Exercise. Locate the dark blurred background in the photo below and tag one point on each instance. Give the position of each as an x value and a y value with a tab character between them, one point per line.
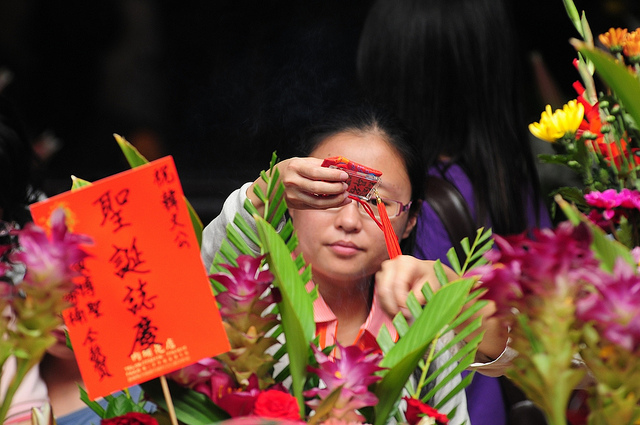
218	84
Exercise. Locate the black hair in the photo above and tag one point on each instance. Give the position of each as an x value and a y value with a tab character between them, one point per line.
448	69
16	165
363	118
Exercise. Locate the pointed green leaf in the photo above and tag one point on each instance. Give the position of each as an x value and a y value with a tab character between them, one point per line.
93	405
77	183
403	358
246	229
570	7
384	340
134	157
296	306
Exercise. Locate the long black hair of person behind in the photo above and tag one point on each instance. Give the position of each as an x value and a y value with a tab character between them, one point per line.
448	68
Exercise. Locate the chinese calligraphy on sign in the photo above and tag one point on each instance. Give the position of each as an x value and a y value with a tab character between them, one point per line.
143	305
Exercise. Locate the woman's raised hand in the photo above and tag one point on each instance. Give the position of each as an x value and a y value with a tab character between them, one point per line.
308	185
404	274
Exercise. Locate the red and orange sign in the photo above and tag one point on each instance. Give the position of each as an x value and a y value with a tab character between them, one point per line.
143	306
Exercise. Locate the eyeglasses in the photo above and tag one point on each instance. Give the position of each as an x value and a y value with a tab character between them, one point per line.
394	208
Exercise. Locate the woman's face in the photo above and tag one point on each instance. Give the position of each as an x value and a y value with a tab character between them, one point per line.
341	244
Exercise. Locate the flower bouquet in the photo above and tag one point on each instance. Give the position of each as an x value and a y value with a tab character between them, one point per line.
275	372
570	295
597	134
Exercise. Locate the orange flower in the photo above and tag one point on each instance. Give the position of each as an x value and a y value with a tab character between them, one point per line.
631	46
613	39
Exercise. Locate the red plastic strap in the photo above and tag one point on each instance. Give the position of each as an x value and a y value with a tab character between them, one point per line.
390	238
369	211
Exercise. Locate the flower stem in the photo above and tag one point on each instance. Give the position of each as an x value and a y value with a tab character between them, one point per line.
22	367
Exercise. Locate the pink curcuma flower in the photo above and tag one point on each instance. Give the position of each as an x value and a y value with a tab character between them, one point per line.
614	308
243	303
207	376
49	261
553	263
353	369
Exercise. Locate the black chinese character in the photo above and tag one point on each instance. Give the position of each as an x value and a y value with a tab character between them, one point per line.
162	176
138	299
145	334
127	260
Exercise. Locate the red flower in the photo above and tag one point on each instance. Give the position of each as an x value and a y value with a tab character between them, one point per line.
276	404
417	409
131	418
593	124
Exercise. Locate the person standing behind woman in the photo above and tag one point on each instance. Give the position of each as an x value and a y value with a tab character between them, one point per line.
448	68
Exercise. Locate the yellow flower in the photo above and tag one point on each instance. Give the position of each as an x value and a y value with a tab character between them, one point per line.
613	39
554	125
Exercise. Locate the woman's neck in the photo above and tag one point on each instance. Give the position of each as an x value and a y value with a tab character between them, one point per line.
351	304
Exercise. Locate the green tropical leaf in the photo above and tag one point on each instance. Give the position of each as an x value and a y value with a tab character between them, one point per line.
133	155
474	252
296	306
405	355
93	405
77	183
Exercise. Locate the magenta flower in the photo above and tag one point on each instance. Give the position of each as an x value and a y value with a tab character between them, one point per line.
555	262
243	307
354	370
208	376
243	303
240	403
610	201
49	261
614	308
4	267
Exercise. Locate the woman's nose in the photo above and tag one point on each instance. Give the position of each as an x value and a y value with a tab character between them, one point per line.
349	218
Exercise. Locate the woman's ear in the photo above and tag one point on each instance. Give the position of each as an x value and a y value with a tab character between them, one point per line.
411	223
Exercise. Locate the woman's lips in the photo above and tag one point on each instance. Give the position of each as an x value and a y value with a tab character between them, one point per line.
345	248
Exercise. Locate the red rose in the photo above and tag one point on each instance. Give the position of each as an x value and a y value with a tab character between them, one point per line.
276	404
131	418
417	409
